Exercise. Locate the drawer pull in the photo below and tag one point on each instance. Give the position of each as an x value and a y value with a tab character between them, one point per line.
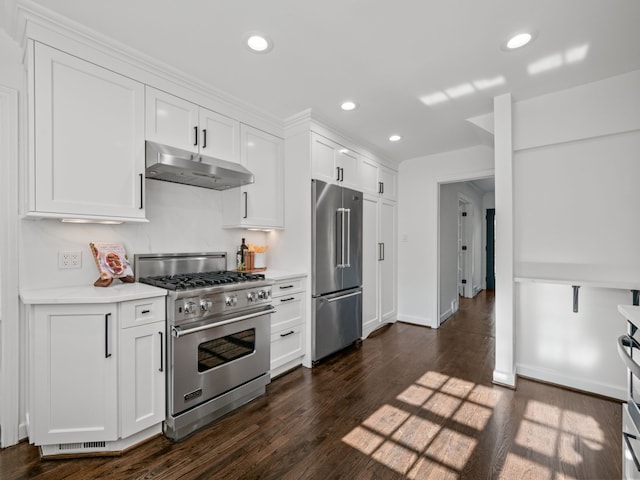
287	299
284	287
144	312
287	334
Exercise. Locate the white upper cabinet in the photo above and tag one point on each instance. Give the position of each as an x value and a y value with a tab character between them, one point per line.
87	128
369	176
333	163
388	183
260	204
173	121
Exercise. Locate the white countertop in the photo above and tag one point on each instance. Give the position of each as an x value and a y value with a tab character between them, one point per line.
584	275
278	275
631	313
116	292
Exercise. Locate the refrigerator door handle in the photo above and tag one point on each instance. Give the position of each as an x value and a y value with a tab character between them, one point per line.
342	263
348	240
342	297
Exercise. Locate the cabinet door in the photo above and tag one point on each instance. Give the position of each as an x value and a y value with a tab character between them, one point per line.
170	120
75	388
388	180
260	204
369	176
142	377
370	265
388	264
219	136
348	161
324	164
89	139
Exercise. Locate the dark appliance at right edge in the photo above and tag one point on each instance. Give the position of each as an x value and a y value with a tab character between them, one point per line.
336	256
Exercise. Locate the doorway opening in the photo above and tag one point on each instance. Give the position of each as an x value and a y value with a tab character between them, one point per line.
462	241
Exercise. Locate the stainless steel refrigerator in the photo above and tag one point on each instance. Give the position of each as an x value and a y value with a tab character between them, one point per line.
336	268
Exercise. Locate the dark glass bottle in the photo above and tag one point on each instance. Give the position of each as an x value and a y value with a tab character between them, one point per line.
243	254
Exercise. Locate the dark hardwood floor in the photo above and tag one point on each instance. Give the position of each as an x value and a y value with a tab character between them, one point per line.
410	402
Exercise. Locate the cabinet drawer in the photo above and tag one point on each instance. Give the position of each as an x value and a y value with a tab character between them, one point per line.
289	312
141	312
286	345
286	287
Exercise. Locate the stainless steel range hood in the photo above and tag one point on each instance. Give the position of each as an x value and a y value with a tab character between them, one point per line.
180	166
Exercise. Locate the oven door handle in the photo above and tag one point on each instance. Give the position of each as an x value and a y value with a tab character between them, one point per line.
178	332
625	341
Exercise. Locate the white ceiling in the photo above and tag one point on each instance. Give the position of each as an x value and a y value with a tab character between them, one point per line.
384	55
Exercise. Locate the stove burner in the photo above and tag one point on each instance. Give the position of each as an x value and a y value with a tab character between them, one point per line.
189	281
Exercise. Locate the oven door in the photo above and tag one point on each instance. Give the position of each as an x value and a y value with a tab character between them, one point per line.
209	358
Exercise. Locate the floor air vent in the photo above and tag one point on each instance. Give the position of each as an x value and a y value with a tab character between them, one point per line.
81	446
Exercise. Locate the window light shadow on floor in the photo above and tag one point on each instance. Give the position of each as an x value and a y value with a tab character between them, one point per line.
433	431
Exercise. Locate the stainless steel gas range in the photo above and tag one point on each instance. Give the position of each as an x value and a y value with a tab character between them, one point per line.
218	331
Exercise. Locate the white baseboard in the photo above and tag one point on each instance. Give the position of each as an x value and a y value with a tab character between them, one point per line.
507	379
586	385
425	322
444	315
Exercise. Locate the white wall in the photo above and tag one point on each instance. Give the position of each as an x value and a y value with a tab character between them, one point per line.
418	200
181	219
448	285
576	196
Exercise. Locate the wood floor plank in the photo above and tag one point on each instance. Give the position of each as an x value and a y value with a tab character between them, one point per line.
409	402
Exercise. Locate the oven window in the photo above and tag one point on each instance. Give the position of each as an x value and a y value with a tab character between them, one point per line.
223	350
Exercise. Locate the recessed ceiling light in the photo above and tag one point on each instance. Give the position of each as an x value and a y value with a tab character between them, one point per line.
349	105
395	138
519	40
258	43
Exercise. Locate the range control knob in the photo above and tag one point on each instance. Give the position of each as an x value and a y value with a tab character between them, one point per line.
251	296
231	300
189	307
205	305
264	294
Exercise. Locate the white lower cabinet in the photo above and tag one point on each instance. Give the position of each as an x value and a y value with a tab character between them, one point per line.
287	325
142	367
96	379
74	374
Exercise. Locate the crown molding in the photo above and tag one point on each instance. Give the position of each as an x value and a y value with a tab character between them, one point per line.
42	24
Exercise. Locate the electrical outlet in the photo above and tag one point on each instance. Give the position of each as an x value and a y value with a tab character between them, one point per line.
70	259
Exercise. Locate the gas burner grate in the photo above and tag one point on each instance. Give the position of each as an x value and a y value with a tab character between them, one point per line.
190	281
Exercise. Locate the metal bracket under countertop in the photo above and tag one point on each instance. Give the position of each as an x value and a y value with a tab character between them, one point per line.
635	297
